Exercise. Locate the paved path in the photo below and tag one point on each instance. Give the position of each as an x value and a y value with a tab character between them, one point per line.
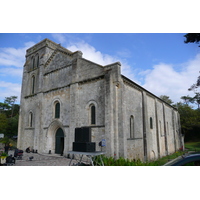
42	160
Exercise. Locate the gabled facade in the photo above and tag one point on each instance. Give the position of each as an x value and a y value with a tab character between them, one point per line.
61	91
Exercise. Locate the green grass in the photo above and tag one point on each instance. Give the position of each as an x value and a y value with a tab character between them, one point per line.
192	146
165	159
126	162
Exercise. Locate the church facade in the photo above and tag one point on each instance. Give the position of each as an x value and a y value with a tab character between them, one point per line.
62	91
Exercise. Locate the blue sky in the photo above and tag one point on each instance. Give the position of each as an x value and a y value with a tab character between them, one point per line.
160	62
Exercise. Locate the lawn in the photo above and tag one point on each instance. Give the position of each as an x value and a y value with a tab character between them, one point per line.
192	146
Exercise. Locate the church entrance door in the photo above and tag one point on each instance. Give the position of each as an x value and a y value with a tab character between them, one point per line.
59	141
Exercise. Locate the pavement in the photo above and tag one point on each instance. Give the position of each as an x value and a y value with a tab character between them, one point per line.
42	160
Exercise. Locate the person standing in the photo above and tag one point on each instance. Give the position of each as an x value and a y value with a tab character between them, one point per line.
6	148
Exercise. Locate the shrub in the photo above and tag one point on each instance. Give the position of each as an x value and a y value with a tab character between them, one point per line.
110	161
3	154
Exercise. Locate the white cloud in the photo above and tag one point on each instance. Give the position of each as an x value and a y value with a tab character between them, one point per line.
14	57
11	71
163	79
8	89
11	66
90	53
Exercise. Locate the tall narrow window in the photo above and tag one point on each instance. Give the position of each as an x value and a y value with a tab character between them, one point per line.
57	110
167	128
160	128
32	63
37	60
33	85
131	127
30	119
93	114
151	123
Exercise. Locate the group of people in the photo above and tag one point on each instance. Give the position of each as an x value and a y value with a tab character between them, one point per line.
28	150
17	154
7	147
11	159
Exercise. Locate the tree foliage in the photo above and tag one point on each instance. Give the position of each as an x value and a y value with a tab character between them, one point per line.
6	140
195	86
196	98
9	115
3	123
192	38
189	116
166	99
4	107
187	99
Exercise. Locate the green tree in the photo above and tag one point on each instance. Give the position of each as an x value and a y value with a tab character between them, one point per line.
166	99
4	107
195	86
196	99
192	38
187	115
9	115
11	102
3	123
6	140
187	99
189	118
12	128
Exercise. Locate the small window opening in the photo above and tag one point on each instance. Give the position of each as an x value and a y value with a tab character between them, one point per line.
93	114
151	123
131	127
37	58
57	110
33	85
30	119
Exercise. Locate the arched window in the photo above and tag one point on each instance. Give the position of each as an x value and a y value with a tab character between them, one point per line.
131	126
33	85
151	123
93	114
30	119
57	110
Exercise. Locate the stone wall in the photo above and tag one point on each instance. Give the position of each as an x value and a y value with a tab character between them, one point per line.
76	83
132	106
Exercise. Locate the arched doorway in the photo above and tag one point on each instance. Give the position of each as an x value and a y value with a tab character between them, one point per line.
59	141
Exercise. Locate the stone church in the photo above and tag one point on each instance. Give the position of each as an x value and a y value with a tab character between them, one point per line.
61	91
